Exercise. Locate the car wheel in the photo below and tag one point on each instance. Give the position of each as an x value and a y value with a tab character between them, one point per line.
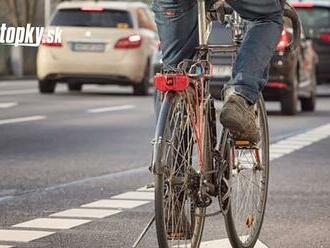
290	101
75	87
142	88
46	86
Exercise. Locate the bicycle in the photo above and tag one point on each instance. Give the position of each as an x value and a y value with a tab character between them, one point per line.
194	160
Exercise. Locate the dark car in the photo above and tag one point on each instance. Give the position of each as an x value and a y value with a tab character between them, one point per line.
315	18
292	73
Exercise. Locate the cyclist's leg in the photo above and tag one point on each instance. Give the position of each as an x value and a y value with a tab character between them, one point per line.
250	72
177	28
178	31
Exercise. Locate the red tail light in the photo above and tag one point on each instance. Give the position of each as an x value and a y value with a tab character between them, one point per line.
325	37
133	41
51	44
284	41
278	85
171	82
303	5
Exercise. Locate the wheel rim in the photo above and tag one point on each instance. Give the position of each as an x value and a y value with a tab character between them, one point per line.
182	220
249	181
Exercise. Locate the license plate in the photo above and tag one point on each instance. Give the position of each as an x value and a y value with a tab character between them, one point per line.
222	71
88	47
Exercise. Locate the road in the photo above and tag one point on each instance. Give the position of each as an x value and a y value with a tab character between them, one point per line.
68	160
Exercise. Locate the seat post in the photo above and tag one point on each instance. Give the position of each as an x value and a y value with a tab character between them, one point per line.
202	25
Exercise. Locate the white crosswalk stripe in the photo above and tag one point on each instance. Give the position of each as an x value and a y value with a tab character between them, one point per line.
135	195
86	213
22	235
121	204
52	223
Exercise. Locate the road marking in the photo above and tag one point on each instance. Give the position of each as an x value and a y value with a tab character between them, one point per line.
6	246
120	204
110	109
22	236
52	223
143	196
18	92
86	213
151	189
224	243
5	105
23	119
135	195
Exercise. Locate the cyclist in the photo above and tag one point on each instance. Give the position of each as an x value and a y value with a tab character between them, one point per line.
177	24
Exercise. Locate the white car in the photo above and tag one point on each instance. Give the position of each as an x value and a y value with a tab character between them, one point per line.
101	43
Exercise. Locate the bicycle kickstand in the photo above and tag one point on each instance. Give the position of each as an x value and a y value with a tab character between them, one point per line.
145	230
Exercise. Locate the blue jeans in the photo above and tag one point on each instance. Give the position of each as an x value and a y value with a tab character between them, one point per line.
178	31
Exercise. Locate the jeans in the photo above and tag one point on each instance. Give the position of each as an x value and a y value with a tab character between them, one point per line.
178	31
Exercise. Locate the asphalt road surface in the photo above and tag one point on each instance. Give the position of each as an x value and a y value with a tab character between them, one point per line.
71	164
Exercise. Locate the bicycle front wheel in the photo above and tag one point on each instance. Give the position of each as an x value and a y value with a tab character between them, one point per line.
249	168
179	222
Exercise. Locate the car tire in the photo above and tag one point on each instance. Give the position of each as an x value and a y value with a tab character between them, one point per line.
289	102
142	88
46	86
75	87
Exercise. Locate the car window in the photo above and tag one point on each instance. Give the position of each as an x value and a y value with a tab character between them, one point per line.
314	19
145	20
83	18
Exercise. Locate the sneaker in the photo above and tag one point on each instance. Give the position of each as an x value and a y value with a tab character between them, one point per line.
240	118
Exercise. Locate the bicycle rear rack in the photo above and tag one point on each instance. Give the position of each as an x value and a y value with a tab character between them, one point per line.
232	48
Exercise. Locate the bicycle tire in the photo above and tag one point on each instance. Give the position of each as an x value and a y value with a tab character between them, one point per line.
171	108
235	228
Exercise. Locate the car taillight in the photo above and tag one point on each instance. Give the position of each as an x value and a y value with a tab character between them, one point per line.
51	44
284	41
302	4
325	37
133	41
279	85
171	82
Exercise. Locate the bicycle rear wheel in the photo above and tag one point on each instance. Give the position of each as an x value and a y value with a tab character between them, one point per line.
179	222
249	168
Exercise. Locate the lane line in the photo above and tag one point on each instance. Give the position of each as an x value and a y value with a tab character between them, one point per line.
110	109
146	189
224	243
86	213
5	105
18	92
144	196
52	223
135	195
6	246
23	119
119	204
21	235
